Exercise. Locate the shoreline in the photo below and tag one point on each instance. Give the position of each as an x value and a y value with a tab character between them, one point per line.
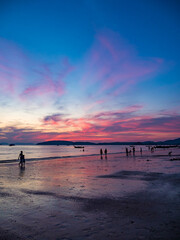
152	155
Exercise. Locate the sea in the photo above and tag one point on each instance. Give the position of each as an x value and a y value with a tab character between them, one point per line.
42	152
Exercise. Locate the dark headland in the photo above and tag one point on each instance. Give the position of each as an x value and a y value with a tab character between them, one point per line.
58	142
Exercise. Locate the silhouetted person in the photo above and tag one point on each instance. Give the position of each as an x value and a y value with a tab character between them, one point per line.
105	151
126	151
133	150
21	159
141	151
170	153
101	151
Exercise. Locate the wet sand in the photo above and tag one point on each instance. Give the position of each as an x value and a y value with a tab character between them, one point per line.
91	198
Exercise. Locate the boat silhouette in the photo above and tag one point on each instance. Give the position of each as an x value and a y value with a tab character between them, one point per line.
78	146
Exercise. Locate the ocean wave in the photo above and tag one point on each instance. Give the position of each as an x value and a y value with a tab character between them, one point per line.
159	154
54	157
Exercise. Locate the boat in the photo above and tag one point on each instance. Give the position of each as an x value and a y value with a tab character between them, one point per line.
78	146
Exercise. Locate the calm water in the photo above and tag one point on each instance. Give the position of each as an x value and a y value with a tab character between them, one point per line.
42	152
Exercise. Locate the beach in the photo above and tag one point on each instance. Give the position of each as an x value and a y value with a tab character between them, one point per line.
86	197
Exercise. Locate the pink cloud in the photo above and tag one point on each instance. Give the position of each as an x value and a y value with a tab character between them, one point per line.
12	68
109	46
20	79
50	82
112	67
98	128
10	78
123	125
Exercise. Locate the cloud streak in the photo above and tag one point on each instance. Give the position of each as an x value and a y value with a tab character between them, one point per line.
118	125
24	78
97	129
112	67
109	70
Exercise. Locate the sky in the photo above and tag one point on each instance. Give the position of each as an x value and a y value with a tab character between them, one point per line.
89	70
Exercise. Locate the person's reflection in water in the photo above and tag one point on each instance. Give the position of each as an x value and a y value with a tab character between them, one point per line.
21	171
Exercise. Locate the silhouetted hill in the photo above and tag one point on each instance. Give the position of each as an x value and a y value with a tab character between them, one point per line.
167	142
170	142
56	143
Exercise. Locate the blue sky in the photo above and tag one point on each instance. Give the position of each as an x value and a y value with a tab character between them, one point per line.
63	64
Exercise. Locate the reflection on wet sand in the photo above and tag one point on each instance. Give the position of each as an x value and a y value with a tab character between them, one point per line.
117	197
21	171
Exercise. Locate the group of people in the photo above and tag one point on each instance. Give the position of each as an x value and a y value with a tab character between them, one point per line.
151	148
128	152
21	159
101	151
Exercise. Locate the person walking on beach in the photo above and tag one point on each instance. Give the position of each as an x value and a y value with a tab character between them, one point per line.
21	158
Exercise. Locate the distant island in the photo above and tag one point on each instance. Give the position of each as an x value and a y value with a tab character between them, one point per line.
167	142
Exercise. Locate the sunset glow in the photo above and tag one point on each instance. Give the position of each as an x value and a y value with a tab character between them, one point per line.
91	82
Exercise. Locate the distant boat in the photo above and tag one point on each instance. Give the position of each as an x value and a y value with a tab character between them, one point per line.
11	144
78	146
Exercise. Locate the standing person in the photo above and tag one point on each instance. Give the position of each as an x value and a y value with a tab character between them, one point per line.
141	150
126	151
170	153
105	151
101	153
21	158
133	150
